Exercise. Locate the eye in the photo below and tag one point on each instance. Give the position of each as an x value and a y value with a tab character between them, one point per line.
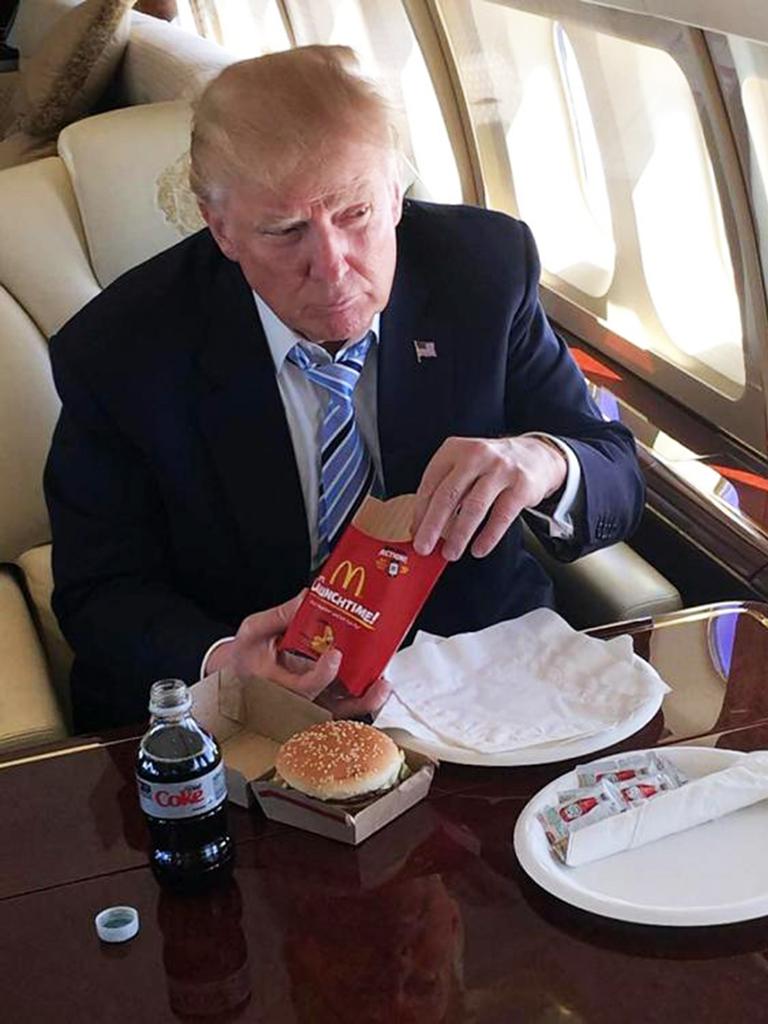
286	232
357	213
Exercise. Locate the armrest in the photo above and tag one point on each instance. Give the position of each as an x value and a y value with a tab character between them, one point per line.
29	711
609	585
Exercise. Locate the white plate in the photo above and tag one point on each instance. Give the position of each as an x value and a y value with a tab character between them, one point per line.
713	874
543	753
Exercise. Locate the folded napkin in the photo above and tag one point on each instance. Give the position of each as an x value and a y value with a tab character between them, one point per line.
531	681
704	799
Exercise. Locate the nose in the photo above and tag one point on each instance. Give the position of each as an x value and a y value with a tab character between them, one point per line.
327	254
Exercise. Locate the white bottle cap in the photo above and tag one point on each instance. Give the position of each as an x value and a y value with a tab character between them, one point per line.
117	924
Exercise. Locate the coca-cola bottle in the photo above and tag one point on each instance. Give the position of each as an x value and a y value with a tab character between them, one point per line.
182	791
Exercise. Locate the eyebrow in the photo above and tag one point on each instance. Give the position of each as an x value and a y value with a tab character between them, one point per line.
357	191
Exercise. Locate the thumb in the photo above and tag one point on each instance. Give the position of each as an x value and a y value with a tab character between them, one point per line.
323	672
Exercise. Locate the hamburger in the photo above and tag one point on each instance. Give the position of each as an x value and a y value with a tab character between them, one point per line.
340	761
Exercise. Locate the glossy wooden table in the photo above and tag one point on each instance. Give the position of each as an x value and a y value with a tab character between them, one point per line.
431	920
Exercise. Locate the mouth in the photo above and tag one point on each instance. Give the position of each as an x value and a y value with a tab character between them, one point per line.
339	306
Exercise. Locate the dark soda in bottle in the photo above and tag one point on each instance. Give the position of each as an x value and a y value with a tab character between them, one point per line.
183	792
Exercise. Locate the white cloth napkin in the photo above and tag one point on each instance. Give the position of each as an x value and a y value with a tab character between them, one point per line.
527	682
712	796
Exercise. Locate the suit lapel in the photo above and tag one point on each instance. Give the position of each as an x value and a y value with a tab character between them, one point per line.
414	397
242	418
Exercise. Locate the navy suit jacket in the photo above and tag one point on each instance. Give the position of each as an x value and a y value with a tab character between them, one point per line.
174	497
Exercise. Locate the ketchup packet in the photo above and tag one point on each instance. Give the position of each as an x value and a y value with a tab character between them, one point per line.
607	788
366	596
576	809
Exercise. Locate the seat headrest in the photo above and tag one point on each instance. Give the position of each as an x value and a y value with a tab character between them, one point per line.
43	258
128	172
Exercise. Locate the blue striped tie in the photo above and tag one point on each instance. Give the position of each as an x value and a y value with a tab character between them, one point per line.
346	467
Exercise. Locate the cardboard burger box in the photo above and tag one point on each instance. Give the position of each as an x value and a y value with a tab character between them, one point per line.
251	718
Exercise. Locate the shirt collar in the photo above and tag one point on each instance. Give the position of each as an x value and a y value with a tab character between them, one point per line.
281	338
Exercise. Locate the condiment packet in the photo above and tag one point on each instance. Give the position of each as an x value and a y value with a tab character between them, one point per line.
578	808
606	789
628	766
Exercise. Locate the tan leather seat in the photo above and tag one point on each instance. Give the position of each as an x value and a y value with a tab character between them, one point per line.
29	710
610	585
68	226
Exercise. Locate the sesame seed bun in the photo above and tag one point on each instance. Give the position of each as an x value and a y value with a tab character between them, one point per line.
339	760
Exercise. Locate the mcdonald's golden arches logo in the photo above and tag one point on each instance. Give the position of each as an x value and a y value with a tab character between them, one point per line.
351	573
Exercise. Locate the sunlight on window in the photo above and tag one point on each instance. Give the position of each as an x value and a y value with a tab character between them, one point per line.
585	140
248	28
596	140
252	27
682	242
432	151
334	24
548	191
689	302
184	16
625	322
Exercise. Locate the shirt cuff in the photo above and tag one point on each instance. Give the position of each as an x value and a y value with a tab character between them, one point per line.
209	652
560	520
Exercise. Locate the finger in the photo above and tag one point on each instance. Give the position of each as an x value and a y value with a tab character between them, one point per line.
370	702
296	664
474	508
437	469
505	511
318	677
446	498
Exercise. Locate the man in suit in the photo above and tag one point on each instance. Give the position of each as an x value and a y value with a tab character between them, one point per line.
227	404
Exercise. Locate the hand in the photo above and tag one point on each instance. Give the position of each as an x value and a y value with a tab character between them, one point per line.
254	652
468	478
336	699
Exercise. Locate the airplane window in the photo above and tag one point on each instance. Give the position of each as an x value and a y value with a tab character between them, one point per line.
381	35
596	141
750	61
582	130
248	28
685	256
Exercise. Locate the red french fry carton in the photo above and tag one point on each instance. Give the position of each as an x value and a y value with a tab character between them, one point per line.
366	596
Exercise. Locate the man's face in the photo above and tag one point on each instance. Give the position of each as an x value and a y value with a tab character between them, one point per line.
320	248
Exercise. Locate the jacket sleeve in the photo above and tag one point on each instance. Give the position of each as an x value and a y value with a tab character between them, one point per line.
110	553
547	392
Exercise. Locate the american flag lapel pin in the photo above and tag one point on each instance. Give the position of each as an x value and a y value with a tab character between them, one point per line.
425	350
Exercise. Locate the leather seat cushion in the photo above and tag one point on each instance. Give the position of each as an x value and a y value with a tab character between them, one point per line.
35	566
29	713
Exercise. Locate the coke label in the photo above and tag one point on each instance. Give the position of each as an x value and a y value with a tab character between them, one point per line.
183	799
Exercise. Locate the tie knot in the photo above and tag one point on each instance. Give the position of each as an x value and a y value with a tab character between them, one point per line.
338	376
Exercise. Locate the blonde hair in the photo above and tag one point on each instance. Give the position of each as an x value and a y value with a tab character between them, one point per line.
265	119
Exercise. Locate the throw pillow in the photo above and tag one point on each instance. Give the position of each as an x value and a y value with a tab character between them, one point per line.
73	65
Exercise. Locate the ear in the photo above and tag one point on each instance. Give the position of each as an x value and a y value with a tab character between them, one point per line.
217	224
